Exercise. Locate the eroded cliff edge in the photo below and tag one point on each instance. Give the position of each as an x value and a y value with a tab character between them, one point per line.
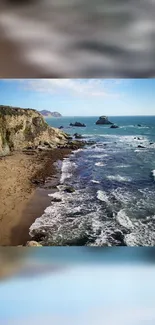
20	128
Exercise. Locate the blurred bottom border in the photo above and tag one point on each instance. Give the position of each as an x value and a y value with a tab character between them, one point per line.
15	260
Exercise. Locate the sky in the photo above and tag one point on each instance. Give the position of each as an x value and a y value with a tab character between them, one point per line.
82	295
81	97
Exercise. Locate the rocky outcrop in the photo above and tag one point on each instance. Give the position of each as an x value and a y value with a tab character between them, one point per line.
103	120
78	124
114	126
33	243
21	128
78	136
140	146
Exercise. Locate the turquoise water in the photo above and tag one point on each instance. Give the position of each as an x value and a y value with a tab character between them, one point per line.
113	203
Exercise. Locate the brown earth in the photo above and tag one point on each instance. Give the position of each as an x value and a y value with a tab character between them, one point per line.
26	179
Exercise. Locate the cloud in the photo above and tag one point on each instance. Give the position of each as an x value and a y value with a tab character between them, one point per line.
76	87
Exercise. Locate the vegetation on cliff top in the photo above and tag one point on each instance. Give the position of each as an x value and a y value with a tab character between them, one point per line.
10	110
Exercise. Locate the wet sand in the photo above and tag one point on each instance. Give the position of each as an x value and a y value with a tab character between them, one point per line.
25	182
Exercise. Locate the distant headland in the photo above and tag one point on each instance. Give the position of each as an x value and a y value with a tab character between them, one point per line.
47	113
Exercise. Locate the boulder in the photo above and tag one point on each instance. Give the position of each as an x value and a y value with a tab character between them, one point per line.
140	146
69	189
77	136
90	143
46	143
113	126
118	235
103	120
139	125
56	199
61	127
33	243
43	148
78	124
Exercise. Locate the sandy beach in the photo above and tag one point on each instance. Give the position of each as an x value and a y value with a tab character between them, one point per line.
25	181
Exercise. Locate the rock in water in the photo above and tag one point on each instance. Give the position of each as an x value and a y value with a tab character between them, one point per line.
113	126
33	243
103	120
69	189
140	146
78	124
77	136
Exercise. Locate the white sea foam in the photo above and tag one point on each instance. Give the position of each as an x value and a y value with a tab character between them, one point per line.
122	196
153	173
122	166
99	164
138	150
102	196
78	150
94	181
119	178
66	169
99	156
141	236
130	240
124	220
56	195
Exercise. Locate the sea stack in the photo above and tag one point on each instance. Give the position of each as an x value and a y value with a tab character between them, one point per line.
78	124
103	120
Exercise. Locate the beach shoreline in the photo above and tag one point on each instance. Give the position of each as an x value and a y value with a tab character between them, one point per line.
26	179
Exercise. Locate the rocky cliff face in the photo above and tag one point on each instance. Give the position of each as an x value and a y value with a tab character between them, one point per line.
20	128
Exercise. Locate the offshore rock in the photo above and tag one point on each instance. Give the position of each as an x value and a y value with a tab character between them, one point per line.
103	120
78	124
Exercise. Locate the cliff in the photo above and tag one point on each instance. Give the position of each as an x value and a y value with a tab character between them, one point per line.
103	120
46	113
20	128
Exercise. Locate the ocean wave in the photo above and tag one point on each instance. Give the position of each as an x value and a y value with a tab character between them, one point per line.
122	196
65	222
67	169
99	156
56	195
141	236
122	166
78	150
153	173
119	178
124	220
99	164
102	196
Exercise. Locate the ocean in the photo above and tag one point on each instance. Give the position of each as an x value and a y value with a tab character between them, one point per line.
114	181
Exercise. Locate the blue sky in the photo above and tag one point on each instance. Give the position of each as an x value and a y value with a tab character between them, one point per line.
81	97
94	295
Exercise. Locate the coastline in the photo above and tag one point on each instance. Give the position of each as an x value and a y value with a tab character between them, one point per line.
25	182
